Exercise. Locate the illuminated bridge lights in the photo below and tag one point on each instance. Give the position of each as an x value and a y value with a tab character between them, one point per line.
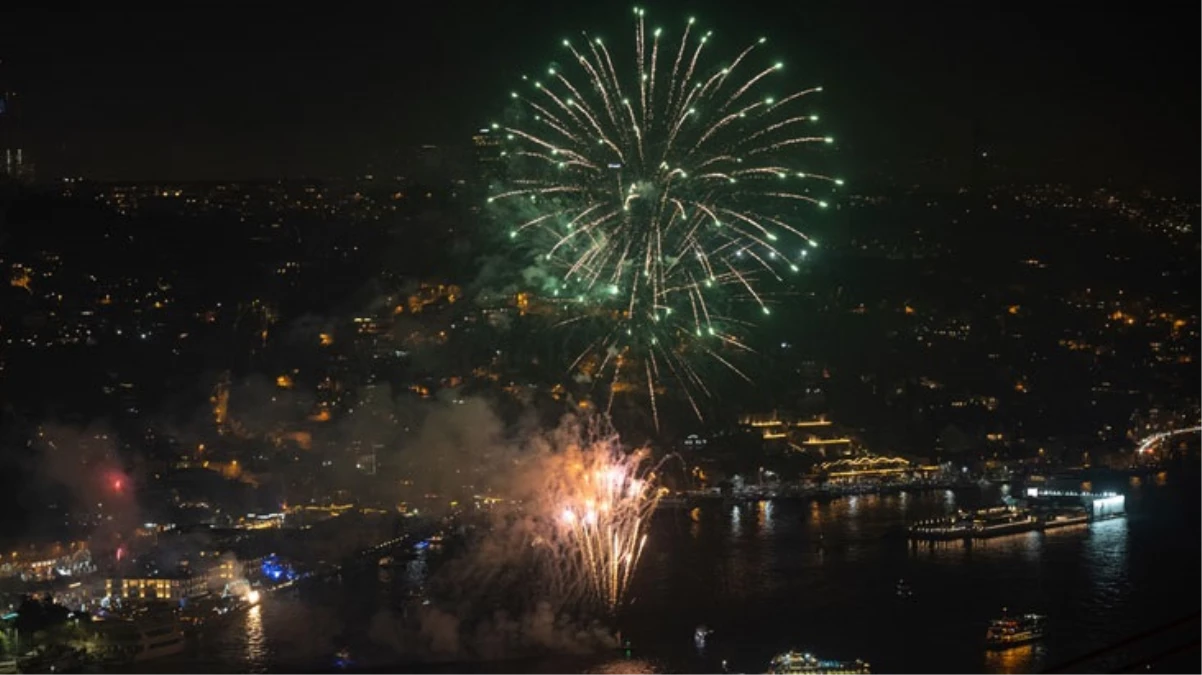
1146	445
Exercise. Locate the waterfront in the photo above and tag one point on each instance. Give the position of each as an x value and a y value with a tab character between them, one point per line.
768	576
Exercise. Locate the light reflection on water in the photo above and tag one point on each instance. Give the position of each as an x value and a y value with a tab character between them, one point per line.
1027	658
625	667
769	576
256	642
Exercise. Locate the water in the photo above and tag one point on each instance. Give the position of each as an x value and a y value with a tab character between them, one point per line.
757	575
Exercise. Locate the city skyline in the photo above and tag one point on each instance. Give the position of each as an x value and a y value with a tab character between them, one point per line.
1046	93
329	344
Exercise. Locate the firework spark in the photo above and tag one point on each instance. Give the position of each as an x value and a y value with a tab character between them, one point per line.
594	509
658	194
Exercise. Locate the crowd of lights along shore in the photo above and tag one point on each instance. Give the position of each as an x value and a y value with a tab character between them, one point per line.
660	193
600	499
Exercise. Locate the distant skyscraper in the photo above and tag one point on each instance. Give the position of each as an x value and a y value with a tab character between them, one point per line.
14	161
487	146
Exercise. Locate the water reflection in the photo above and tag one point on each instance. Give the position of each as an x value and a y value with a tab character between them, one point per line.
1022	659
764	577
256	643
1106	553
763	516
1026	545
624	667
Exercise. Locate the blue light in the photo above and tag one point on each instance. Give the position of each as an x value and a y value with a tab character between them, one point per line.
273	569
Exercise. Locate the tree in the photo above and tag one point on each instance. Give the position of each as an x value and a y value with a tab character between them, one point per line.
953	442
39	615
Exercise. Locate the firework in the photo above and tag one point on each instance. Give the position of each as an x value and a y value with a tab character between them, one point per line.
593	510
657	194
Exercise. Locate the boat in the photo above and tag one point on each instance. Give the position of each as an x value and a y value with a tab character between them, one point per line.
144	639
701	635
980	524
904	590
799	662
53	659
1013	631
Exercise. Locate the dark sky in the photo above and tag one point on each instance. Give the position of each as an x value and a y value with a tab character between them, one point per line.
1074	91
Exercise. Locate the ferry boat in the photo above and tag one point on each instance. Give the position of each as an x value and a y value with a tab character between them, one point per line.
798	662
1013	631
979	524
145	639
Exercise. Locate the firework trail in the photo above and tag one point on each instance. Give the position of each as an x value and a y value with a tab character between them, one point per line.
659	193
589	518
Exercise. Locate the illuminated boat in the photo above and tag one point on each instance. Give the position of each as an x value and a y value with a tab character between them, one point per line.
1009	632
979	524
145	639
701	635
799	662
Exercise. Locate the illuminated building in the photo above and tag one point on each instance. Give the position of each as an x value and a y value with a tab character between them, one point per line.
44	563
172	588
14	161
807	435
487	146
366	464
850	469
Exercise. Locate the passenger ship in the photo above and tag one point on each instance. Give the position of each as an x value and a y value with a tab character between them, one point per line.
145	639
798	662
1013	631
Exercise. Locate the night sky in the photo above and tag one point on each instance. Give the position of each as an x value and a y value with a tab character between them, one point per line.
1074	92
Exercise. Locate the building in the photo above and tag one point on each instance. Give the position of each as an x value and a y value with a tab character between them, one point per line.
45	562
14	160
366	463
487	146
815	435
157	588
